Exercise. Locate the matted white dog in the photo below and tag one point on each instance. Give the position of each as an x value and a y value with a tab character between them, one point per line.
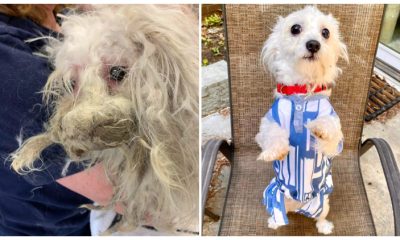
301	132
124	93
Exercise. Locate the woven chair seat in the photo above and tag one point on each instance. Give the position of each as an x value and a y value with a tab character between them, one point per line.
246	215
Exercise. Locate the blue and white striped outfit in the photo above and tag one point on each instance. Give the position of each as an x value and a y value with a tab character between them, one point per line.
304	175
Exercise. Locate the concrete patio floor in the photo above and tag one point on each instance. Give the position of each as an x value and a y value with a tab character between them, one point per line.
374	179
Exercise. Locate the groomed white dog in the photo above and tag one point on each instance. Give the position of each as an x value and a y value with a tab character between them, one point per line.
301	132
124	93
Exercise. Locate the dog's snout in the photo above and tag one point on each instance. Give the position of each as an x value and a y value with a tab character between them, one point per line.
313	46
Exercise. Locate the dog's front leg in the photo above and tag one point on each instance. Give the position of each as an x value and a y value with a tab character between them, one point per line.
29	151
328	131
273	140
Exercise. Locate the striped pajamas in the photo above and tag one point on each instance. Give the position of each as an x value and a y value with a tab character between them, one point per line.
304	175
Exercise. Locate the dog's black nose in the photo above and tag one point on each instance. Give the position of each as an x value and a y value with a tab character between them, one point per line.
313	46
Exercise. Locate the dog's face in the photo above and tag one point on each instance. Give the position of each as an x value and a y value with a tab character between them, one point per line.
93	65
304	48
115	69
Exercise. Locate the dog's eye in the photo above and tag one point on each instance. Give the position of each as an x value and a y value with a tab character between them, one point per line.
296	29
117	73
325	33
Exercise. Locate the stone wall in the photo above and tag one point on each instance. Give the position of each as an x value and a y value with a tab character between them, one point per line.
215	88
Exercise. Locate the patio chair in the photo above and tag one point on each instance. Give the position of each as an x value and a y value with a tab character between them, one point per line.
247	27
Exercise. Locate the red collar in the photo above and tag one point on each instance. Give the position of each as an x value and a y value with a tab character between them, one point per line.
298	89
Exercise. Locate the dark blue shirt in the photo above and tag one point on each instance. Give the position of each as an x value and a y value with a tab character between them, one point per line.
31	204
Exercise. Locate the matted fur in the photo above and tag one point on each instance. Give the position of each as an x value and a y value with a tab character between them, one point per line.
143	129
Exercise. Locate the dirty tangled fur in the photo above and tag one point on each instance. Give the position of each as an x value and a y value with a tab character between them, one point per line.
145	130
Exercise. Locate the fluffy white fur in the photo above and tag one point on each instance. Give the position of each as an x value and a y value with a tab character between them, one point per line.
283	53
144	129
273	140
284	56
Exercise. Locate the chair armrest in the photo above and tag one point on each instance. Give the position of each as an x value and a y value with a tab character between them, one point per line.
391	172
209	155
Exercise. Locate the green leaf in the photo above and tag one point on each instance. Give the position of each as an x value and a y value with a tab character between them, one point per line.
213	20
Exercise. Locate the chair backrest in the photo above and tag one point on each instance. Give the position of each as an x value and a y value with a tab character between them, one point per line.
248	26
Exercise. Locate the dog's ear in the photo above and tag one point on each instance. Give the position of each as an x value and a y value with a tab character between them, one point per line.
165	43
343	52
342	46
270	51
163	85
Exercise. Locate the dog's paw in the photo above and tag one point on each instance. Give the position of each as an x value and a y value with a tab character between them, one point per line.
325	128
277	153
319	131
328	135
272	224
324	226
